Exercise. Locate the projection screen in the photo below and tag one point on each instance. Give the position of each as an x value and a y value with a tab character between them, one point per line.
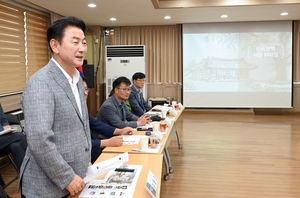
237	65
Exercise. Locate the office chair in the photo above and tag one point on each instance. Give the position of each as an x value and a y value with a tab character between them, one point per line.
12	120
3	193
11	161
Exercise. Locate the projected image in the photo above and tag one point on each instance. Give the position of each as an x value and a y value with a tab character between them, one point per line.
237	58
237	62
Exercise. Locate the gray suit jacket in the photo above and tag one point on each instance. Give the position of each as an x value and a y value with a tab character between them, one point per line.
59	142
111	114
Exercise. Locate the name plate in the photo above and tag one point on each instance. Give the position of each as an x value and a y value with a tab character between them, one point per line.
180	105
151	184
168	122
174	112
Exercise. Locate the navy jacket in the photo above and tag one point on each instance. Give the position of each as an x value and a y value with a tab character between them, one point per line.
101	128
3	120
138	107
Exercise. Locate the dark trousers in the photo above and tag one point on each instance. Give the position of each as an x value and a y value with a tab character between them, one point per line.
14	143
2	193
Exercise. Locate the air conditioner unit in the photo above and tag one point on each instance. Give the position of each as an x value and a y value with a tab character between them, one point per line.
124	60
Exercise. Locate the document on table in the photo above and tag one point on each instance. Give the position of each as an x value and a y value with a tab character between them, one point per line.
118	183
160	107
149	149
98	169
131	139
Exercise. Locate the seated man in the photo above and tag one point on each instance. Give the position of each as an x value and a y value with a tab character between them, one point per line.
136	99
14	143
114	112
107	131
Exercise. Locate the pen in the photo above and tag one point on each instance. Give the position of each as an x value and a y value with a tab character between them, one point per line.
136	149
124	170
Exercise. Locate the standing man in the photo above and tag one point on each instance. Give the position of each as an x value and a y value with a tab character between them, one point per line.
114	112
56	118
136	99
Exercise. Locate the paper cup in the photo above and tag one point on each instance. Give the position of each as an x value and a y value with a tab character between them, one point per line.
174	103
164	113
155	126
144	141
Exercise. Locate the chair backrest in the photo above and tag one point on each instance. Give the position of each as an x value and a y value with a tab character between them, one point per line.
14	120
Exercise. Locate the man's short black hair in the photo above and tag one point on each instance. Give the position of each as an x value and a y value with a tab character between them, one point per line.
138	75
57	28
120	80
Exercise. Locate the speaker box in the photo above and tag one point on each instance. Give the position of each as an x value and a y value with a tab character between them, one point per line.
88	72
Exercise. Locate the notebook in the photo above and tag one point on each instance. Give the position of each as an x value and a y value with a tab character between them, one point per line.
9	130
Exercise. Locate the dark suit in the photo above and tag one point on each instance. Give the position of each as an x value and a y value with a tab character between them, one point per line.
111	114
137	102
98	127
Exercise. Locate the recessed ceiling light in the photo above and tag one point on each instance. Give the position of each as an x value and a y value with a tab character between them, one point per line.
284	14
91	5
113	19
224	16
167	17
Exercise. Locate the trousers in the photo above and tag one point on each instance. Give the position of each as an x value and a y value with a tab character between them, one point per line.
14	143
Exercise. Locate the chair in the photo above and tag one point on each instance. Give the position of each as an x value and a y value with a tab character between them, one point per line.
11	161
12	120
3	193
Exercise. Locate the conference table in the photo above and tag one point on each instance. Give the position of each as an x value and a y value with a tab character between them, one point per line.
172	130
151	162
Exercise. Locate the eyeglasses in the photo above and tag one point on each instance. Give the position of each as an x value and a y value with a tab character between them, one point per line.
125	89
87	90
141	80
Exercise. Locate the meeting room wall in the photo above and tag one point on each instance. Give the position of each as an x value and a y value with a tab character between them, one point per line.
171	89
163	56
125	36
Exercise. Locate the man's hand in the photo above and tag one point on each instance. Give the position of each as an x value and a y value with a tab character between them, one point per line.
6	127
124	131
143	120
113	142
75	186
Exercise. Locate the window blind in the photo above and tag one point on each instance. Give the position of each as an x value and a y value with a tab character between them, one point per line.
37	46
23	50
23	47
12	49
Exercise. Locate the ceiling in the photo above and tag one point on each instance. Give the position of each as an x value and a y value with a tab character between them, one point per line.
152	12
